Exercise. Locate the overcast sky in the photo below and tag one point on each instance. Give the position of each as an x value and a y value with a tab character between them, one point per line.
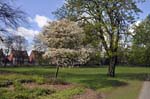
40	11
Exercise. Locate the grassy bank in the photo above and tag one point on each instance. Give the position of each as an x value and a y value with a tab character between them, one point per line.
126	84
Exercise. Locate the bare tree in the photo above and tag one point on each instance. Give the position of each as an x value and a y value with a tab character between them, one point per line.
10	16
38	45
19	43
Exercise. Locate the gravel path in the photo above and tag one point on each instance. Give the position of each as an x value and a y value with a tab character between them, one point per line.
145	92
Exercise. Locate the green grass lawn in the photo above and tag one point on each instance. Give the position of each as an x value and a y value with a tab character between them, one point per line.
126	84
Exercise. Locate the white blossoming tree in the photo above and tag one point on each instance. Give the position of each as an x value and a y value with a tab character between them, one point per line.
64	40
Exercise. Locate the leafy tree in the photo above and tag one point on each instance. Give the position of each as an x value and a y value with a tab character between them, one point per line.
142	33
64	41
108	20
141	43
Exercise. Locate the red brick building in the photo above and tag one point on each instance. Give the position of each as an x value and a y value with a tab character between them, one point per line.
36	57
17	57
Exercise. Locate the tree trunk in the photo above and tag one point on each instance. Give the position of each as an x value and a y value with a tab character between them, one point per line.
112	65
5	63
57	72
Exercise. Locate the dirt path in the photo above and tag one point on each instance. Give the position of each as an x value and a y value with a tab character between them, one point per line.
89	94
145	92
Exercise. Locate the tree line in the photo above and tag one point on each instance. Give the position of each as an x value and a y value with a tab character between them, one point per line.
107	34
105	24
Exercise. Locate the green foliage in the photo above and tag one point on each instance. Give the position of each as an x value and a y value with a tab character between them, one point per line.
140	52
126	84
105	22
90	38
66	94
21	92
13	78
5	83
17	86
142	33
140	56
42	92
95	58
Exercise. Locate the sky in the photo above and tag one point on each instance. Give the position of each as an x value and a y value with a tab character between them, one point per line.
145	7
39	12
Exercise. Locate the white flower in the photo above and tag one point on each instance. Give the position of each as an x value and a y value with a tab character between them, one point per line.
64	40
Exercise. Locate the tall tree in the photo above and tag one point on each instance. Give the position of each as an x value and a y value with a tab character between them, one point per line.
141	43
107	19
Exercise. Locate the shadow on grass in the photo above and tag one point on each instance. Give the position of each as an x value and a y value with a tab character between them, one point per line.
133	76
97	81
103	83
92	80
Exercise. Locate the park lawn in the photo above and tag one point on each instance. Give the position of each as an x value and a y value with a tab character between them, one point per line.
126	84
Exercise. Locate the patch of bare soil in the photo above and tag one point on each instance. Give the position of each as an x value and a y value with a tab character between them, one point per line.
11	87
89	94
48	86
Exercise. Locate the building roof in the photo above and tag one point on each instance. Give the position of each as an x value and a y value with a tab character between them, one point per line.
35	55
18	54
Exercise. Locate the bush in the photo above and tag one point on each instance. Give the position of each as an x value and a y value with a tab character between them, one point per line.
5	83
67	94
42	92
20	92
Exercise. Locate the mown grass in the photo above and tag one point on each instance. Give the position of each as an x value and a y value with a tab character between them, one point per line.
126	84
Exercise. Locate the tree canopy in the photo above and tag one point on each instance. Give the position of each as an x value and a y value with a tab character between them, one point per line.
64	40
140	52
108	20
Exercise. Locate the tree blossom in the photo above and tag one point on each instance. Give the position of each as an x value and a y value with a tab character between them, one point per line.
64	39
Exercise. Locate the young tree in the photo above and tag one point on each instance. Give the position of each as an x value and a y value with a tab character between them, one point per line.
64	41
107	19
